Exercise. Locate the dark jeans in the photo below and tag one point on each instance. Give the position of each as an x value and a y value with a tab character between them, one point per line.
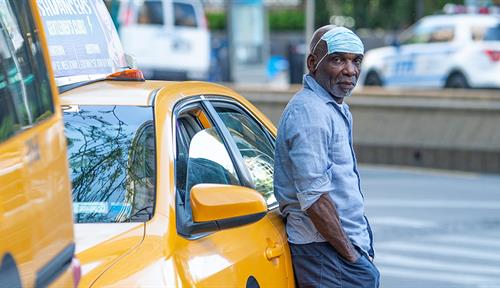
319	265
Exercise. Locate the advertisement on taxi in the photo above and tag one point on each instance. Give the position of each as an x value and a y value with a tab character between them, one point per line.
82	39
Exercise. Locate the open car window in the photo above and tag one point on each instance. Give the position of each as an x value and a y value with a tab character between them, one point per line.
207	161
255	145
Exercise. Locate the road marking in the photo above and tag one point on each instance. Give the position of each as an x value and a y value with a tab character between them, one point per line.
460	204
440	276
401	222
476	241
388	259
437	249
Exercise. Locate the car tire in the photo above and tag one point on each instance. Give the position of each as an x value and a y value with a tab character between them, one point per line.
372	79
457	80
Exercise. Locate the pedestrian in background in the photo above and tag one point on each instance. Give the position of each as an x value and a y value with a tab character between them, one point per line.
316	178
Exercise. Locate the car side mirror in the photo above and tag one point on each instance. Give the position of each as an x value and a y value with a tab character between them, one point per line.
396	43
226	205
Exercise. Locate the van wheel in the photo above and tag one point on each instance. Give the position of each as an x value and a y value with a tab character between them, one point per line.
457	80
372	79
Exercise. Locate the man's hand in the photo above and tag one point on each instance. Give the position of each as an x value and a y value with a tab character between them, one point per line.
324	216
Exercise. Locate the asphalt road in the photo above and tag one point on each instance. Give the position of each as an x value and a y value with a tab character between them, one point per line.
433	228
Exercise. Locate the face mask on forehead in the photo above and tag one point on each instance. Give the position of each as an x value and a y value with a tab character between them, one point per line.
340	39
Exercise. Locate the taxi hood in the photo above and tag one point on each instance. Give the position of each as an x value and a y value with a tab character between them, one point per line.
100	245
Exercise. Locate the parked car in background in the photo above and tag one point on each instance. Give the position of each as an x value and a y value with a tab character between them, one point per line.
36	227
439	51
169	38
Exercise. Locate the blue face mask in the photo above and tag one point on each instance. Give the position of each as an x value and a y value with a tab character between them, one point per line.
340	39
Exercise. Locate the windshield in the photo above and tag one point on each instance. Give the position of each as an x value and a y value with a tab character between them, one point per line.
112	157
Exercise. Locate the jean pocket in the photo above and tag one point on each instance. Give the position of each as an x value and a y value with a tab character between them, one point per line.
308	270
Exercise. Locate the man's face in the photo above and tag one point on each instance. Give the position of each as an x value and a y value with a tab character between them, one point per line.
338	73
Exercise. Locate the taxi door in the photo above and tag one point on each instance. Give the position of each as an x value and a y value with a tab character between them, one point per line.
253	255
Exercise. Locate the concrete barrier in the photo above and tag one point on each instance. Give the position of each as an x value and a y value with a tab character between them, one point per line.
446	129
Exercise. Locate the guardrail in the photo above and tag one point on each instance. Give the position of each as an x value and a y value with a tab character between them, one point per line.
445	129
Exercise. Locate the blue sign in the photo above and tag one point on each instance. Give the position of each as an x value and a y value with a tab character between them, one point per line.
81	37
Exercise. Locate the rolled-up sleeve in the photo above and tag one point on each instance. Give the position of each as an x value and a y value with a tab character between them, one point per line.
307	136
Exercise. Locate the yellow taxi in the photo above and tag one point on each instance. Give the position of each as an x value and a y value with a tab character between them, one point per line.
172	186
172	181
36	229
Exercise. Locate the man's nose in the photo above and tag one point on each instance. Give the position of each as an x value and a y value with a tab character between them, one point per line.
350	69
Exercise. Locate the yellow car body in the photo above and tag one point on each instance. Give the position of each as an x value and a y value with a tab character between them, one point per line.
236	237
36	227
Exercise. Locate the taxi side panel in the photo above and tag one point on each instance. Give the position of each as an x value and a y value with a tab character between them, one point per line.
35	203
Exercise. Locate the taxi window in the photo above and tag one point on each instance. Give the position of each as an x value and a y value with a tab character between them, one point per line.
151	12
255	147
26	97
184	15
201	154
112	157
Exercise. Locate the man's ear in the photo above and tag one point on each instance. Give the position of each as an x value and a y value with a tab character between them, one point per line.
311	63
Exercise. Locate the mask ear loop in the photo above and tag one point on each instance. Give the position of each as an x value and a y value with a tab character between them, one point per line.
315	68
314	49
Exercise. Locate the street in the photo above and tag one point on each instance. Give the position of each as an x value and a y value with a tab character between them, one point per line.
433	228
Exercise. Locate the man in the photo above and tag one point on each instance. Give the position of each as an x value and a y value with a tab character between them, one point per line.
316	178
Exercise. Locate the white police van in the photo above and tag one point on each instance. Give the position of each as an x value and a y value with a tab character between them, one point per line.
168	38
451	51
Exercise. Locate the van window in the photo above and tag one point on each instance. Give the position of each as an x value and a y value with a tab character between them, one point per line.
184	15
151	12
26	97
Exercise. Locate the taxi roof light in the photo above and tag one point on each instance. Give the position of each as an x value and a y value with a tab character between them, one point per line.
127	75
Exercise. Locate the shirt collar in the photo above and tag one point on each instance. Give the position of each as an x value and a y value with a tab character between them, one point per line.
312	84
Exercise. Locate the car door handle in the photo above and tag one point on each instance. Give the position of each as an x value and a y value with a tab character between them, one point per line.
274	250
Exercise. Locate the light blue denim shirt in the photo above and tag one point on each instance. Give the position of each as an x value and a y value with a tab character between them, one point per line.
315	155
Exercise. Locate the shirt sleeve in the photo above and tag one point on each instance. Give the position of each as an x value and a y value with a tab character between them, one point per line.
308	132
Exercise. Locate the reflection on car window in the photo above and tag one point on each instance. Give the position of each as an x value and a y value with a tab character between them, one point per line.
26	97
151	12
441	34
184	15
428	34
112	158
255	148
201	154
493	34
209	161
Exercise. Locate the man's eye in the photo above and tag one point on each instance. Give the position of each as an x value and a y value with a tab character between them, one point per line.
337	60
358	61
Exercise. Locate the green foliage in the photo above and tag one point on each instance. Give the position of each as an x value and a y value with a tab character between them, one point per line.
286	20
386	14
279	20
216	20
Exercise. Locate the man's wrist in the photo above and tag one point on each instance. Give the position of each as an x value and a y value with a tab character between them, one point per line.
355	255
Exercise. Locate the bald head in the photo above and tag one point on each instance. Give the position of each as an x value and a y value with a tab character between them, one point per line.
321	48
